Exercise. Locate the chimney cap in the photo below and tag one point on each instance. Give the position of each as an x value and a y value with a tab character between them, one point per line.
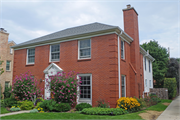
128	6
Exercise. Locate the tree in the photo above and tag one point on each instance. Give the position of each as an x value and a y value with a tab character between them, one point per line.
173	70
161	60
1	70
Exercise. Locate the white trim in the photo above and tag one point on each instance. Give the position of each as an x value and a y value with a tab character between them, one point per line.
124	40
124	84
119	68
58	69
27	56
50	53
79	49
85	100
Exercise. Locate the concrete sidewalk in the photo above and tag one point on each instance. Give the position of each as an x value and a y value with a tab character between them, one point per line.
13	113
172	112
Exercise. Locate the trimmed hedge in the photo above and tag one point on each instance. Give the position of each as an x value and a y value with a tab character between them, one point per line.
170	84
104	111
62	107
81	106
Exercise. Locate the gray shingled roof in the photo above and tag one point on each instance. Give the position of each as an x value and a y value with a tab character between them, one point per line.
88	28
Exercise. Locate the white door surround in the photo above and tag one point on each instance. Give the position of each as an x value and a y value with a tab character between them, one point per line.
51	70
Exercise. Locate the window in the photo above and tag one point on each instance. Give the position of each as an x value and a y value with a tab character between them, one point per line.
7	84
149	66
84	49
85	87
55	52
8	64
145	62
122	49
150	83
123	86
30	56
11	50
145	82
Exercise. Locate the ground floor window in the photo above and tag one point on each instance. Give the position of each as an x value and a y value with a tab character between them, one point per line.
85	87
123	86
7	84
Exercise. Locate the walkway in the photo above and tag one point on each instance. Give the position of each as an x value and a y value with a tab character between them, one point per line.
13	113
172	112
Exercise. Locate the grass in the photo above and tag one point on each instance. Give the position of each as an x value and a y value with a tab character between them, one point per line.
158	107
4	110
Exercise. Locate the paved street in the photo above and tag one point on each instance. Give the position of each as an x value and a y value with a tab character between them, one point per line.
172	112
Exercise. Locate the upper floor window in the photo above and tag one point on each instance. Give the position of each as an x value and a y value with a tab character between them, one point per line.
149	66
54	52
122	49
145	62
84	49
8	64
30	56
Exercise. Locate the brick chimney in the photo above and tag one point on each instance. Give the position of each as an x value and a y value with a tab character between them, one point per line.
131	28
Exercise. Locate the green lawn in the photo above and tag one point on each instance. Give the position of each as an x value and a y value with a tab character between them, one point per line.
158	107
3	110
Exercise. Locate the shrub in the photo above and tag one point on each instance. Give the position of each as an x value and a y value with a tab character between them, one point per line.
38	105
40	99
34	111
7	92
130	104
62	107
101	103
2	103
81	106
13	109
26	105
64	87
103	111
170	84
48	105
25	86
151	100
8	102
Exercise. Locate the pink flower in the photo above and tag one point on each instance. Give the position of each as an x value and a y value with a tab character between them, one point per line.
72	82
68	90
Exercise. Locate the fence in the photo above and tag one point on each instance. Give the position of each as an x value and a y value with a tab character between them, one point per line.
162	93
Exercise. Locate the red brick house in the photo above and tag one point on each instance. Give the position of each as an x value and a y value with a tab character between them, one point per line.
109	60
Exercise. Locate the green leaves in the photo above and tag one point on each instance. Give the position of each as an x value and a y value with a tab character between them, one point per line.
161	60
170	84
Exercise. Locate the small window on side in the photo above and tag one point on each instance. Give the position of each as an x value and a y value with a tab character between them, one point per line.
8	65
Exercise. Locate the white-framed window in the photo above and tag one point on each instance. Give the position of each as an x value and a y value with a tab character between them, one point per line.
150	84
149	66
122	50
145	82
145	62
123	86
84	49
30	55
55	52
11	50
8	65
85	87
7	84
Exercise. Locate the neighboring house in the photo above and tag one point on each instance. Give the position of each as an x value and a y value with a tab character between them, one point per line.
148	71
6	55
107	58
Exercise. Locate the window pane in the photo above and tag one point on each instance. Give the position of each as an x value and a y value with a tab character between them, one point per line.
122	49
123	92
85	43
85	52
7	65
30	59
85	87
123	86
31	55
55	52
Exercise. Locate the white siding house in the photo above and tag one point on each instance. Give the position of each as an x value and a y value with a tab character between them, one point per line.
148	71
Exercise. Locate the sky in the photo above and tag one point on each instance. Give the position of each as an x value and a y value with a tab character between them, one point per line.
29	19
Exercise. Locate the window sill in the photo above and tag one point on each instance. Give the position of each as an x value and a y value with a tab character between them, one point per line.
80	60
123	60
54	62
29	64
8	70
84	100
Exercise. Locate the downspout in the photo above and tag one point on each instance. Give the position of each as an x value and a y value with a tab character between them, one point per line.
119	73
